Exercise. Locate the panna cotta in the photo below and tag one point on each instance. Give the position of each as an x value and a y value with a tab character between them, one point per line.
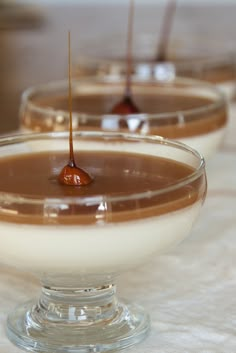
128	198
145	194
187	110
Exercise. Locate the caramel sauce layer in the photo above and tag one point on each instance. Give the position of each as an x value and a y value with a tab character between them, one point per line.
116	174
216	75
149	103
201	122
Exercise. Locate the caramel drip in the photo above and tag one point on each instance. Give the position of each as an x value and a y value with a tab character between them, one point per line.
165	31
126	105
71	174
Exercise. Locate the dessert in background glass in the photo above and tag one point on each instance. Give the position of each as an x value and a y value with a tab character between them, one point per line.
146	194
198	58
191	111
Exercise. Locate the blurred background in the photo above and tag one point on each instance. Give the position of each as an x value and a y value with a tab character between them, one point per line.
33	36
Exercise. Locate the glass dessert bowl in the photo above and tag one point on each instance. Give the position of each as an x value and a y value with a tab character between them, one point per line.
198	58
77	240
191	111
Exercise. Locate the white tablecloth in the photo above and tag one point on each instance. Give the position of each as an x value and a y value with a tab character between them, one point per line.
190	293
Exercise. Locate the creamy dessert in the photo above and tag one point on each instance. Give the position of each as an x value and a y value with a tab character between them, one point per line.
190	111
144	196
116	228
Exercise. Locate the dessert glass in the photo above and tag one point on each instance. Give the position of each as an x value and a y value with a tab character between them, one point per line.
78	310
197	58
202	126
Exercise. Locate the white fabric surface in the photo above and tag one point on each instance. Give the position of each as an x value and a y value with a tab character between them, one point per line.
190	293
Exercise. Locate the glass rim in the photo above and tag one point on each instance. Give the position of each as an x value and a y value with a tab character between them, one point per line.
104	136
218	59
219	102
229	57
220	54
183	63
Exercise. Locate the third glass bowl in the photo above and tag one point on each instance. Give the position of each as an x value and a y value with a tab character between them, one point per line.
191	111
195	57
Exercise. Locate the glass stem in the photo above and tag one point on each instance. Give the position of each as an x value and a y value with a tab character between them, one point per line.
77	320
76	306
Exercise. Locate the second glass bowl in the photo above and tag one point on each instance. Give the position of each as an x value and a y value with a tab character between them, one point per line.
191	111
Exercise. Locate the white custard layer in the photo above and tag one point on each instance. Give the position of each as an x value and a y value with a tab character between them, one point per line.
228	88
206	144
93	249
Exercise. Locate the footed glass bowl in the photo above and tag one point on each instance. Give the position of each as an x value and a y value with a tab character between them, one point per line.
191	111
78	241
194	57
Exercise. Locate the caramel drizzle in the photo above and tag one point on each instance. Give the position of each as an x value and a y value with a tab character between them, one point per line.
71	174
126	105
167	24
129	50
71	145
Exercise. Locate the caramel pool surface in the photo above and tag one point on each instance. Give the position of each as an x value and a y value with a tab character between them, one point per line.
35	175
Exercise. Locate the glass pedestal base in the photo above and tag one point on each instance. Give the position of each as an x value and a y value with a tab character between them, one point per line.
60	323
